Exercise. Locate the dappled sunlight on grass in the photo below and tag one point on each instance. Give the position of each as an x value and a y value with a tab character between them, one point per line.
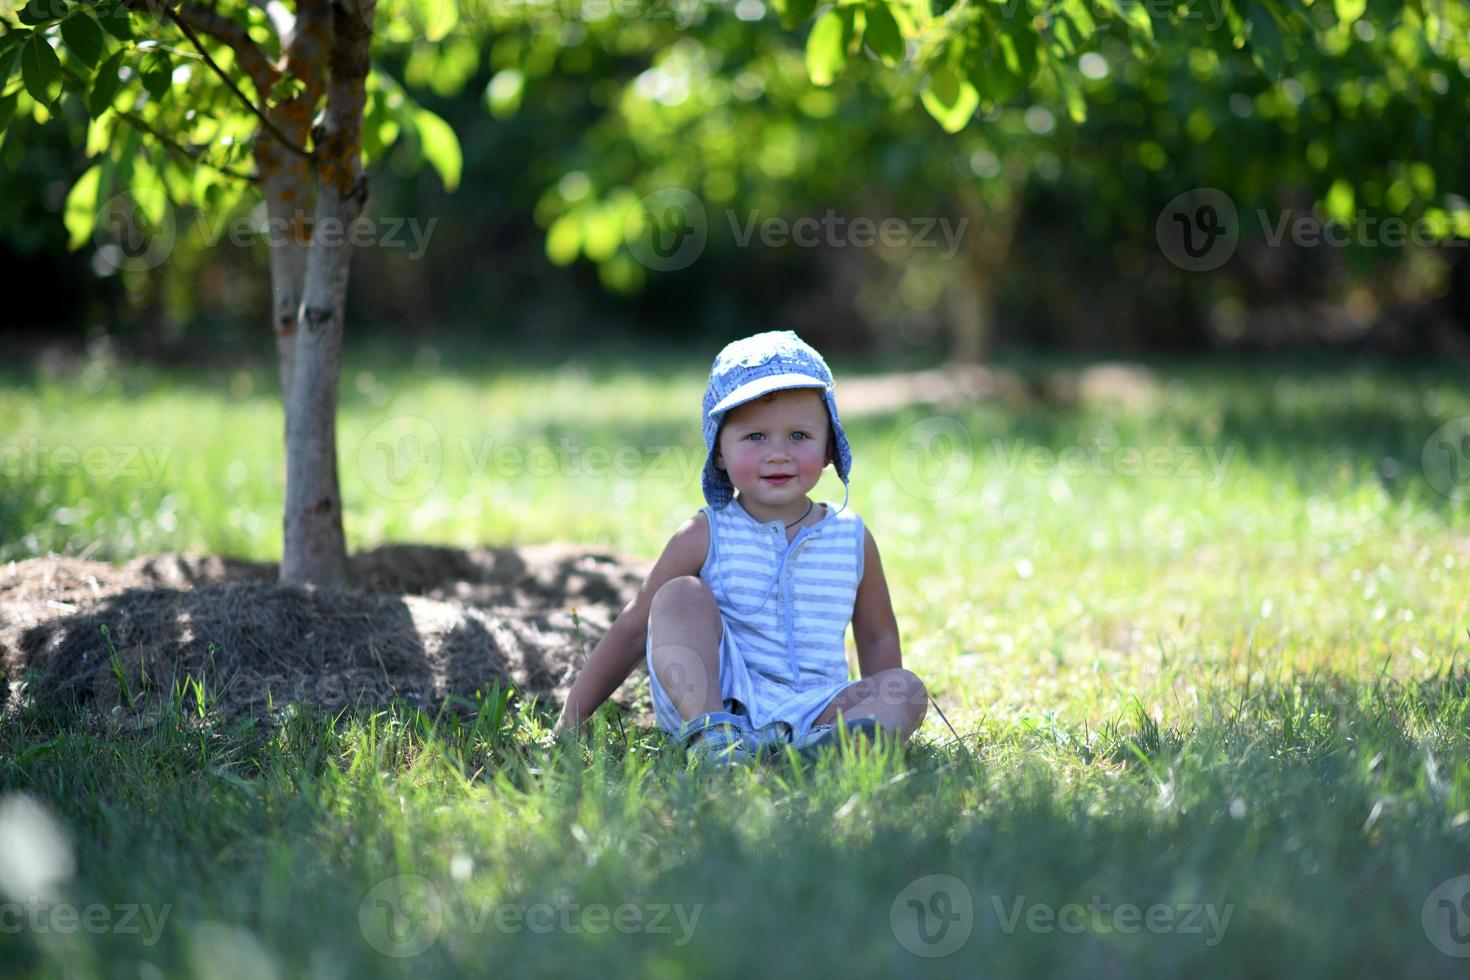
1201	651
1054	553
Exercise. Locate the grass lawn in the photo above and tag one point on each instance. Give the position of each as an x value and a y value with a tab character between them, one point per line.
1204	647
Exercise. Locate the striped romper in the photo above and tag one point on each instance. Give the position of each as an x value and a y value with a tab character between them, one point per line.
786	607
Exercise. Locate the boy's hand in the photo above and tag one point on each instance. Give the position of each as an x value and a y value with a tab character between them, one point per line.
612	660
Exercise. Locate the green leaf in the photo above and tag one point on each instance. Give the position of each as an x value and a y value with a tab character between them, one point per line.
945	85
794	12
1018	50
83	37
158	73
39	12
439	19
147	191
287	86
1071	91
854	21
1140	29
1064	39
104	86
1339	201
441	147
1350	10
7	64
504	91
1001	63
115	21
602	231
14	38
380	125
388	132
80	216
99	136
41	70
7	109
1267	45
1236	22
622	274
883	35
1082	18
564	238
950	99
826	47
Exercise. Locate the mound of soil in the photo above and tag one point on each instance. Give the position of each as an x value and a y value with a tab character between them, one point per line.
420	623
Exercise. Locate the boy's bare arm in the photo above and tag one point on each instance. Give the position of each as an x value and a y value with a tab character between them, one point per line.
874	627
615	654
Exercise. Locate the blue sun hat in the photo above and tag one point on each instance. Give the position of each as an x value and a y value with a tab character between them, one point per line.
751	367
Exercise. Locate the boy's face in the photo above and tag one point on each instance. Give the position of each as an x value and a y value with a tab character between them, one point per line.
786	433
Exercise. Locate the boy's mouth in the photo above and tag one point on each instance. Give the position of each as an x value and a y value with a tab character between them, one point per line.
778	480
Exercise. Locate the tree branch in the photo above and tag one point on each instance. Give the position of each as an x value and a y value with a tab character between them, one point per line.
230	84
252	60
195	156
261	72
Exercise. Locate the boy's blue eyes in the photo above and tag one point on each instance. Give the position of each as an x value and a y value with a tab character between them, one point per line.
762	435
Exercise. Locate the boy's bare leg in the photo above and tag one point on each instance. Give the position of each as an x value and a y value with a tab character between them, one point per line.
684	628
895	698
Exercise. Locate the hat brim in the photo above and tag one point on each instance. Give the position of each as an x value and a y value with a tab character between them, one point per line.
761	386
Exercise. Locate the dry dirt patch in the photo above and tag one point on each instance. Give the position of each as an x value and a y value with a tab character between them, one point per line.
420	623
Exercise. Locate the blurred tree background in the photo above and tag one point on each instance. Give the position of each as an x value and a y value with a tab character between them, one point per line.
568	115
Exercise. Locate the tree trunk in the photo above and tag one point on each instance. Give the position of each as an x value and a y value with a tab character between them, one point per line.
286	178
315	550
286	193
971	317
971	310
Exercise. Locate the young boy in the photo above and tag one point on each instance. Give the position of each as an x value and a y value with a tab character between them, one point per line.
743	618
